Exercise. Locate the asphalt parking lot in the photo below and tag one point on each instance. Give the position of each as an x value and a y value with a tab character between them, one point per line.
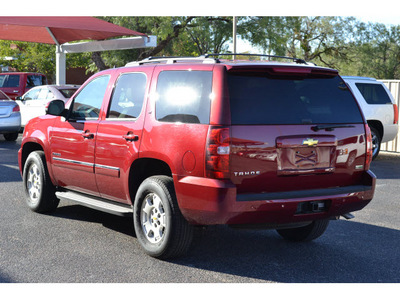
77	244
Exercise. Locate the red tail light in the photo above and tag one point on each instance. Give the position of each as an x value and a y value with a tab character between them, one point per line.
217	152
16	108
396	114
368	138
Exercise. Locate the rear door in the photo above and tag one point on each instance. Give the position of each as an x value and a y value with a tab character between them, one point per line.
293	132
119	135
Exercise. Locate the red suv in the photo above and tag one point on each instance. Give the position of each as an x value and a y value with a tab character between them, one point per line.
15	84
179	142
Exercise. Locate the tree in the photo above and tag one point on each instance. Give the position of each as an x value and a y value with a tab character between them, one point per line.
177	36
378	51
310	38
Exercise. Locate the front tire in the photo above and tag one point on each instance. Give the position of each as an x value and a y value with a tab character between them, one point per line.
305	233
39	191
160	227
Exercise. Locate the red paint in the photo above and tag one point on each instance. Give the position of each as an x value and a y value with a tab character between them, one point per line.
267	172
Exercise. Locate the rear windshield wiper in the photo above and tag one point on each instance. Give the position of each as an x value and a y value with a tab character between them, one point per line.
329	127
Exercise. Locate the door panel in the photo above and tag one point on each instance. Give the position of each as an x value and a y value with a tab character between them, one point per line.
73	166
73	141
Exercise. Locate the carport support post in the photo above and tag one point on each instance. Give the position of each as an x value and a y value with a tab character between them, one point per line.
60	66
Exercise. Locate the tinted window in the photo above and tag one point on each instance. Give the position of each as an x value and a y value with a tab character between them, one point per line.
35	80
373	93
88	102
9	80
263	100
184	96
128	95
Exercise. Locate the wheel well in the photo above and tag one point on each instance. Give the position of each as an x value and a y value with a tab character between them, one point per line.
144	168
27	149
377	125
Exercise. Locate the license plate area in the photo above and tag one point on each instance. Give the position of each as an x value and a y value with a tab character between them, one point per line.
295	156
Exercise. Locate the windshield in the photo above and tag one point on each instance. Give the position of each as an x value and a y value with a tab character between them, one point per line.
264	100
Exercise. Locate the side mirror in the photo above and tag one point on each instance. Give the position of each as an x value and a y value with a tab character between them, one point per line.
18	98
55	108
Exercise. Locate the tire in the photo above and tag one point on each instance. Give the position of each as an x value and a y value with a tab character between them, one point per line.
160	227
376	142
11	136
39	191
306	233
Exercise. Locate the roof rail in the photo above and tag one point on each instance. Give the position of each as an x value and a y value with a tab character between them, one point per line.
172	60
296	60
205	58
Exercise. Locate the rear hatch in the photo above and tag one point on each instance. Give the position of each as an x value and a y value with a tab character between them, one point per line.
294	129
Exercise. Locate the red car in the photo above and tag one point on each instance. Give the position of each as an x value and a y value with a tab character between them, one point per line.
180	142
15	84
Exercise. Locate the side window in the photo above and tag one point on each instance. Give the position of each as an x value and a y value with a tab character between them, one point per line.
128	96
34	80
43	94
32	94
88	102
373	93
9	81
184	96
50	95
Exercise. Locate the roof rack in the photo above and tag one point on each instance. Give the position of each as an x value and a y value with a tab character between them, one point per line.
172	60
294	59
205	58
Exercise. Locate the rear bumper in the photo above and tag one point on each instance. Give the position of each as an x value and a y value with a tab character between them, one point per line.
208	201
10	124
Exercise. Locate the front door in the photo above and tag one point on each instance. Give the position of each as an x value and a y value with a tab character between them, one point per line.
119	135
73	141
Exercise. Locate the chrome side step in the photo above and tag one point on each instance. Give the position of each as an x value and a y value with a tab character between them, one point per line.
119	209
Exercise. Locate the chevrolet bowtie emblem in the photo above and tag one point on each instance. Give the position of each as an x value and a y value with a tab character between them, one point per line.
310	142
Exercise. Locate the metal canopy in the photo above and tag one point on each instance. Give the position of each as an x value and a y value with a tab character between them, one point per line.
61	30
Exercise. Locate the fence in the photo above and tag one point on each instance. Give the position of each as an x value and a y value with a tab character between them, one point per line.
394	87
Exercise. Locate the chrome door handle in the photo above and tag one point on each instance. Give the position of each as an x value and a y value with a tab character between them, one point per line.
131	137
87	135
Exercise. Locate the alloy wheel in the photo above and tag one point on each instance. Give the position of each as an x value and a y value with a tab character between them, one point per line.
153	218
34	183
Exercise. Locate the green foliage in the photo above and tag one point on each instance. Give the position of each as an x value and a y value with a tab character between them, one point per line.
351	46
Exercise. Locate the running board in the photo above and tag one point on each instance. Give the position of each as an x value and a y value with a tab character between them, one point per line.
119	209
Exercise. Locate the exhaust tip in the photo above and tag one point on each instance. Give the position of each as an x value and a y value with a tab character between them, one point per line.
348	216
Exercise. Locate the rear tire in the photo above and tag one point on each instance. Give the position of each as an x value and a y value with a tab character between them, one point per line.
39	191
376	142
11	136
160	227
306	233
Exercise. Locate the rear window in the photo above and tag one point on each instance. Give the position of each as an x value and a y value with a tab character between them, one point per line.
262	100
184	96
373	93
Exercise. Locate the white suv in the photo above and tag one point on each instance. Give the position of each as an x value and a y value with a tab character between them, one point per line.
379	108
